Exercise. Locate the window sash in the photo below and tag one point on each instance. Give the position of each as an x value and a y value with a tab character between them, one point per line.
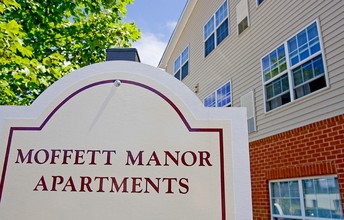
184	70
222	32
308	71
221	14
304	44
209	28
210	101
209	45
176	64
224	95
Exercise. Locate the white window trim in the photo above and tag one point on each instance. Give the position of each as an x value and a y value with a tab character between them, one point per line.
215	91
301	195
289	69
182	64
215	28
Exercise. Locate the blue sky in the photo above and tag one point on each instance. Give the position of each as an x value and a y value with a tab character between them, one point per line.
156	20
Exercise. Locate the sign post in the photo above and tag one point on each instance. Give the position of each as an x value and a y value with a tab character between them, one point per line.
123	140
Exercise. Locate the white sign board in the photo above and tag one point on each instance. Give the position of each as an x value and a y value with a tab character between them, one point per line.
123	140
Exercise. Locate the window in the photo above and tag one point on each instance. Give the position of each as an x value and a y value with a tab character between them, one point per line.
242	15
295	69
259	2
220	98
306	199
242	25
216	29
247	101
181	65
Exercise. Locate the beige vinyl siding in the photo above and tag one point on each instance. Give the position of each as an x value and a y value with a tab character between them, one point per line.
238	57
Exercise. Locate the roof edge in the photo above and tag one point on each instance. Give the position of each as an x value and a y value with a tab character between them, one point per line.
176	33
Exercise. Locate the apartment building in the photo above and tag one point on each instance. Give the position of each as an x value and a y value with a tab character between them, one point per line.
284	62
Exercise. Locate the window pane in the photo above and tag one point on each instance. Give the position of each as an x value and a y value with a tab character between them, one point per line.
304	52
277	87
185	70
275	190
221	13
185	55
298	79
287	200
294	59
224	95
315	46
318	66
273	58
307	71
292	45
269	91
222	32
177	75
266	63
322	198
281	59
176	64
285	84
260	2
294	189
210	101
295	207
312	31
209	28
301	38
281	52
209	45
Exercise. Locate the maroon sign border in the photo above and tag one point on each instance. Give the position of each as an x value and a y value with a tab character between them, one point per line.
191	129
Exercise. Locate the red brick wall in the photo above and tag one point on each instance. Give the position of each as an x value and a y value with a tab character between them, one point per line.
311	150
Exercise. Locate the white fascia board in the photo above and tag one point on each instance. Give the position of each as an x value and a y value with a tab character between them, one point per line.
177	33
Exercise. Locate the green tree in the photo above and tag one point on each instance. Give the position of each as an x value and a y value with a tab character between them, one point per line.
43	40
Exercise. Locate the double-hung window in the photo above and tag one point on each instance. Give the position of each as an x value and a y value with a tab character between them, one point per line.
294	69
181	65
306	199
220	98
216	29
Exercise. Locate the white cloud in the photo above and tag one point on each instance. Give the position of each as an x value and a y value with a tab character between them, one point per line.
150	48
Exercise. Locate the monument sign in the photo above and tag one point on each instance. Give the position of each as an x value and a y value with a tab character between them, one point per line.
123	140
